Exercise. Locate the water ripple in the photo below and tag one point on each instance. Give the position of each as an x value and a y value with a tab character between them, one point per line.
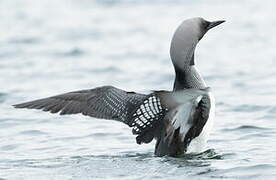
3	97
70	53
9	147
33	132
125	43
25	40
249	108
247	128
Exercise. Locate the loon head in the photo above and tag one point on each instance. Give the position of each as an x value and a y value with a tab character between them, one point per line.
185	39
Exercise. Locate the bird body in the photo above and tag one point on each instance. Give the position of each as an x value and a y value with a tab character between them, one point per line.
198	143
179	120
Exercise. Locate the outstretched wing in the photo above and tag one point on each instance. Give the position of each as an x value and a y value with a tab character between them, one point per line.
106	102
145	113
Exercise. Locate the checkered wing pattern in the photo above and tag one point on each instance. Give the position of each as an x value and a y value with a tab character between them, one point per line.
148	114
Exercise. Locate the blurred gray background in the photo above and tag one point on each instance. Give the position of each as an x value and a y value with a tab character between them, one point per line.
49	47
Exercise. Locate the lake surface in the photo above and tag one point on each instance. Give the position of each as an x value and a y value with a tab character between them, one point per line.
49	47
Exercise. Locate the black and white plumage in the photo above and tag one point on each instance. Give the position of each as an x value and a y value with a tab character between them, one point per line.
175	118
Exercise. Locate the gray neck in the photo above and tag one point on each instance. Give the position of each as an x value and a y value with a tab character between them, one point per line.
188	77
182	53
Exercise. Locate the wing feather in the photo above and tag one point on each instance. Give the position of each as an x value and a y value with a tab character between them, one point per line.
145	113
105	102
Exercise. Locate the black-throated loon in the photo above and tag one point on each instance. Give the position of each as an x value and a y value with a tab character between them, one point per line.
179	120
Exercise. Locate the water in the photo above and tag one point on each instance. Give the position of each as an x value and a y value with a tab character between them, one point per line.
49	47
